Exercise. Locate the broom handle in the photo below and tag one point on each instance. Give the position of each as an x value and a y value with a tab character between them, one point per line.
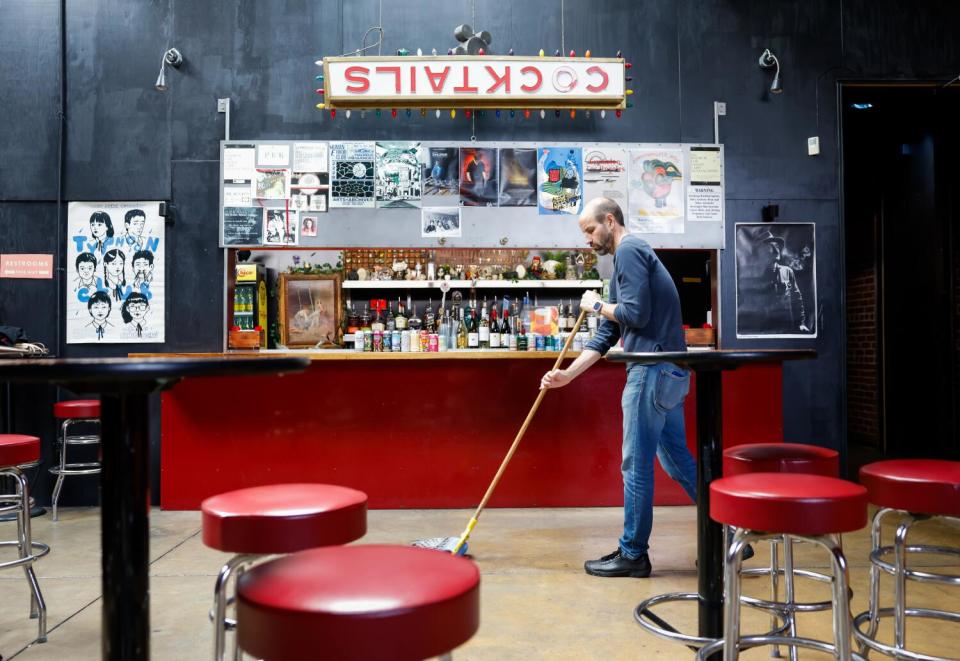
526	423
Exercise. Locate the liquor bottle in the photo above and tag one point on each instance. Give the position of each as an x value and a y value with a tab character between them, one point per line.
377	324
353	319
484	329
414	322
495	330
593	319
462	332
401	318
521	337
473	333
391	321
429	319
365	318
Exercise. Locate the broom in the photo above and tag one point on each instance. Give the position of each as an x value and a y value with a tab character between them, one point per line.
458	545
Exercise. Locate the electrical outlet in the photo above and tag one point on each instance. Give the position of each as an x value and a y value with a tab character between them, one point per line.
721	108
223	104
813	146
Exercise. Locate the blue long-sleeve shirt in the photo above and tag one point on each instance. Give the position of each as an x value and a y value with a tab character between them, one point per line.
648	305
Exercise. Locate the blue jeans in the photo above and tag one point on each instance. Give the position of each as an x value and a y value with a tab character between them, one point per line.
652	426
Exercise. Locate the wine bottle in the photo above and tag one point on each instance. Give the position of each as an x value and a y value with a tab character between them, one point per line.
495	330
473	333
401	319
484	327
521	337
391	321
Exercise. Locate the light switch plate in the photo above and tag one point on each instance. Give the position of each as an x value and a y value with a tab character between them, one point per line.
813	146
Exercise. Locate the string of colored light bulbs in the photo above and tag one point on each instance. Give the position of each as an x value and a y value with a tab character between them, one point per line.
470	113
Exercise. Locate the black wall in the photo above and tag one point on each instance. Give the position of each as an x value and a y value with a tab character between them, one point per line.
127	141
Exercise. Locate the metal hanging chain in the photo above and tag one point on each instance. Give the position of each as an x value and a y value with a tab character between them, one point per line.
563	46
363	42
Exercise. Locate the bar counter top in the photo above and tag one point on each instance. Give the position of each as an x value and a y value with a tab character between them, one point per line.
348	354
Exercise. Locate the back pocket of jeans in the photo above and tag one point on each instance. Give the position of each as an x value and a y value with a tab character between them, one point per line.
673	384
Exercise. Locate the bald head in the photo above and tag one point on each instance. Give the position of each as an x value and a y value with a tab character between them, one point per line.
598	208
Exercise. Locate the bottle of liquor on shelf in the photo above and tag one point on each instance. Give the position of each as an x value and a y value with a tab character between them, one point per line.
521	336
495	329
401	318
429	319
508	340
391	321
365	318
377	324
593	320
571	317
414	322
484	327
462	331
473	332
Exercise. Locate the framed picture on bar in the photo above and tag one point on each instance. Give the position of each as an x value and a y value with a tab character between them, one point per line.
309	310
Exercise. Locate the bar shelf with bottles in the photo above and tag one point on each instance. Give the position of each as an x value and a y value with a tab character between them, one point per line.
385	326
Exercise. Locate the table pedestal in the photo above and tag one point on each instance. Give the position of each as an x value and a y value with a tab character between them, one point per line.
709	532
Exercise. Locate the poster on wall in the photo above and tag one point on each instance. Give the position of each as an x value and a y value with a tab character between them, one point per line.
272	184
518	177
776	279
115	292
242	226
310	157
605	174
441	175
478	177
308	191
656	191
398	175
239	162
440	221
705	192
560	180
352	184
280	227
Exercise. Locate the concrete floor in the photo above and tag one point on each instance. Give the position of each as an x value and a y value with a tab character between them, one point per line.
536	601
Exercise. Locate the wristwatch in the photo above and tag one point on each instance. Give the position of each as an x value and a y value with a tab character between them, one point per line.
598	306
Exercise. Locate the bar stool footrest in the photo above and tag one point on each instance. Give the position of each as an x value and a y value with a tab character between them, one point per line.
897	653
747	642
83	439
643	611
81	468
876	557
39	550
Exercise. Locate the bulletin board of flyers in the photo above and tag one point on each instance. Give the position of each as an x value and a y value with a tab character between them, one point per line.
343	194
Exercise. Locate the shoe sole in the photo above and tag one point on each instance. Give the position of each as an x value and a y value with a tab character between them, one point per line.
637	573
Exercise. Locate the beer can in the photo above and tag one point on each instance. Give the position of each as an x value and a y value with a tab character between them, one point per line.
433	342
577	342
443	342
358	341
395	340
424	341
368	340
378	340
541	342
405	341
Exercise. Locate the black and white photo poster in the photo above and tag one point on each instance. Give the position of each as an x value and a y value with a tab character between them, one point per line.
776	280
115	277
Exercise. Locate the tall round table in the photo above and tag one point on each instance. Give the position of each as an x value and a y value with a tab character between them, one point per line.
124	385
709	365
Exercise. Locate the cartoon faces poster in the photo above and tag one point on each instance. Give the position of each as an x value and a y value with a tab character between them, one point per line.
115	273
560	180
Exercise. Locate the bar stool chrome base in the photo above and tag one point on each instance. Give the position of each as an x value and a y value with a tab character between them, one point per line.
747	642
234	567
77	468
901	573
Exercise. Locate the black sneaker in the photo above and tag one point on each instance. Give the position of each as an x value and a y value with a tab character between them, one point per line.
615	564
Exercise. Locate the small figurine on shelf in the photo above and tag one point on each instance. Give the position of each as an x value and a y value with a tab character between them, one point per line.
580	265
399	268
536	268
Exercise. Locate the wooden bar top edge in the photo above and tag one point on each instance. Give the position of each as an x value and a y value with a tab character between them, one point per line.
345	354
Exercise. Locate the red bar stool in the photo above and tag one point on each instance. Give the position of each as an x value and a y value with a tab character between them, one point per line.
275	519
17	450
358	602
74	412
782	458
812	508
914	490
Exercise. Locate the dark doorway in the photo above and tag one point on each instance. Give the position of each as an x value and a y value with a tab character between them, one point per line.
902	271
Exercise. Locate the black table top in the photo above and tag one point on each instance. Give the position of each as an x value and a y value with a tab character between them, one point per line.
131	370
713	359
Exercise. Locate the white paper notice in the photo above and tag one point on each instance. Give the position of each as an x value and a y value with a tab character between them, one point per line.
234	196
704	203
273	155
238	163
705	193
310	157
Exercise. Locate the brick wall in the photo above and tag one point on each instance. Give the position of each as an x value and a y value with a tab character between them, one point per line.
862	357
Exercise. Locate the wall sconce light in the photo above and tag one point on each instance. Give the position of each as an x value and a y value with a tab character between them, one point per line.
769	61
174	59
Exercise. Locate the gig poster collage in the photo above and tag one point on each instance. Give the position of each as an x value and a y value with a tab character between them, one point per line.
275	193
115	257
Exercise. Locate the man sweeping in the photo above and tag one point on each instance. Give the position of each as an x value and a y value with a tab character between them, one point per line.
644	310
